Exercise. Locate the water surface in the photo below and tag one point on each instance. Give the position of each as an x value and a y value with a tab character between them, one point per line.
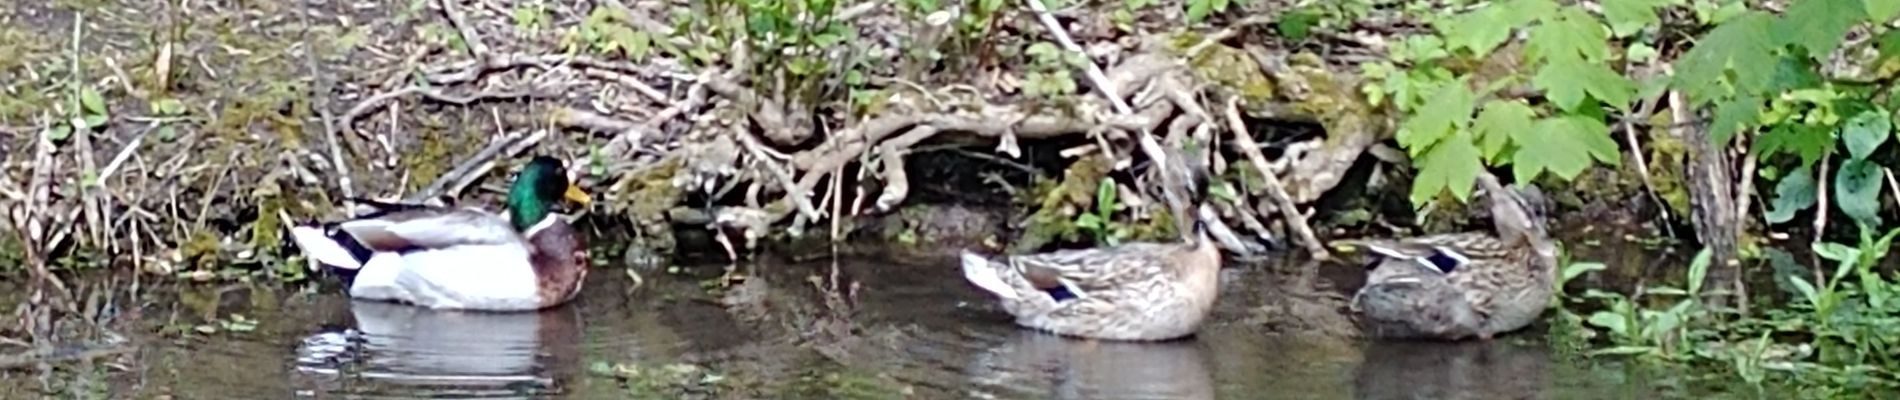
913	330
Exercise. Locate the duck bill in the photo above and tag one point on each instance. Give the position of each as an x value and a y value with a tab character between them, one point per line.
577	196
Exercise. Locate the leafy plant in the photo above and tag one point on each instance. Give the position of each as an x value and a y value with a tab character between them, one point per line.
1456	125
1667	332
1049	77
1101	223
89	112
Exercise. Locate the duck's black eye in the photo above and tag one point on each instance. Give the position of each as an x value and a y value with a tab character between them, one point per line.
1444	262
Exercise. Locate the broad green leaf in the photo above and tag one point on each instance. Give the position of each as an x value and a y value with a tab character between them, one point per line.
1794	193
1611	321
1563	145
1198	10
1809	142
1296	25
1857	190
1865	132
1567	78
1451	164
1447	110
59	132
166	133
95	121
1578	269
1571	31
1734	115
1818	25
1627	17
1889	45
1794	72
1835	251
1882	10
1499	120
1743	44
1640	52
1806	289
92	101
1520	12
1480	30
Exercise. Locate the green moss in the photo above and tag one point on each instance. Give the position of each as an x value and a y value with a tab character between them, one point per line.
644	196
1233	69
1057	204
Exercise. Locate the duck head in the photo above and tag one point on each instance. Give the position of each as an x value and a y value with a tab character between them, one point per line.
544	182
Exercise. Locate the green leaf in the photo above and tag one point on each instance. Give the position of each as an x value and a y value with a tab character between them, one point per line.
1857	190
1198	10
1499	120
95	121
1698	270
92	101
1734	115
1627	17
1794	72
1818	25
1742	44
1882	10
1610	321
59	132
1571	31
1578	269
1865	132
1809	142
1480	30
1567	78
1889	45
1451	164
1794	193
1563	145
1296	25
166	133
1806	289
168	107
1447	110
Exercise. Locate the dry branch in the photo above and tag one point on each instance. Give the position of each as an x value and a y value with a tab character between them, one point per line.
1243	141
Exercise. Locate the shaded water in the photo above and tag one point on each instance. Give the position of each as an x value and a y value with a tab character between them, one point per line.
916	331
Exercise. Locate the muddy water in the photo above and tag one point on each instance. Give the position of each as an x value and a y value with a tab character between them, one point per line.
912	331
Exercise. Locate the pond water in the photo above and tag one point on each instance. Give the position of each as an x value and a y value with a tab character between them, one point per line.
913	330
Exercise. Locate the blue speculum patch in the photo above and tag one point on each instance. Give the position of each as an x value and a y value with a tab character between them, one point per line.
1444	262
1059	293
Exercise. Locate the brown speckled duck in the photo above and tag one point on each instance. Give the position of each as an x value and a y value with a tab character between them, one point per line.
1462	285
1135	291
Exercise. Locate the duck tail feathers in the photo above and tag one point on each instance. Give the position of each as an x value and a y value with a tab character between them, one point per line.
984	274
323	249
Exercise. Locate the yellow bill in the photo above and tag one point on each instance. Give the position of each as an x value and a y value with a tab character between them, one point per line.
575	194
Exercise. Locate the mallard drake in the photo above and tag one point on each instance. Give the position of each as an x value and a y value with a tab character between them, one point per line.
1141	291
461	258
1461	285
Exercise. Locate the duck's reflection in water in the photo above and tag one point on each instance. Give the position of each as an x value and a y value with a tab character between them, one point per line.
1463	370
1039	365
411	351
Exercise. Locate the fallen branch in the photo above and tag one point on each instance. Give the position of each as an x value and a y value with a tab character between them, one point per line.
1243	141
468	171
